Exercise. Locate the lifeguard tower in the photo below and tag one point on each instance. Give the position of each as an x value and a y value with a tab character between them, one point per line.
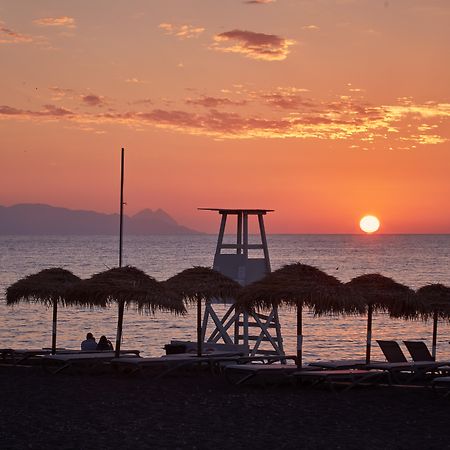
233	260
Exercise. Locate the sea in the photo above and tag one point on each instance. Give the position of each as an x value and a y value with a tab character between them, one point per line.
414	260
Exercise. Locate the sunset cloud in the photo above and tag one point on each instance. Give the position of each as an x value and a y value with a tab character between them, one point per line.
259	2
62	22
59	93
267	47
290	116
49	111
214	102
286	98
134	80
310	27
8	36
92	100
182	31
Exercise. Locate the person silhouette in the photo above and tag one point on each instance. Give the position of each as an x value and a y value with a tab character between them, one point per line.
89	343
104	344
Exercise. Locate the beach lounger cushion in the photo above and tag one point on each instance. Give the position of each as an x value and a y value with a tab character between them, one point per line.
392	351
418	351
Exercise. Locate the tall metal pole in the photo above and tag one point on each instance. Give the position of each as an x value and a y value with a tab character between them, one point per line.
121	303
121	207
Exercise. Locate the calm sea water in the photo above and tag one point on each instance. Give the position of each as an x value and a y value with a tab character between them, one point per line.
411	259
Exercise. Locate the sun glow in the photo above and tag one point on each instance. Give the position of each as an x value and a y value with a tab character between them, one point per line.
369	224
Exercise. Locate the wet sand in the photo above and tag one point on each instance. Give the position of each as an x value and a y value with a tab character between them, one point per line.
202	411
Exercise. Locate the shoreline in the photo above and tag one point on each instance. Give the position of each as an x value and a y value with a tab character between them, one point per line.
203	411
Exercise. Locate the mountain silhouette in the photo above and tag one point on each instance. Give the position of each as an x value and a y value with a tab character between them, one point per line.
38	219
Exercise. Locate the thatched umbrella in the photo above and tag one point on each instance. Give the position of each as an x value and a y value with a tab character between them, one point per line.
49	286
127	286
383	294
299	285
202	283
436	299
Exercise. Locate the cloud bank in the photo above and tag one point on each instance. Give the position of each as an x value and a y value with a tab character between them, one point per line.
278	114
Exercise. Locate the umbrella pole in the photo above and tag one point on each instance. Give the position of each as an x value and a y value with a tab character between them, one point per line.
369	333
119	328
55	314
199	327
299	335
434	343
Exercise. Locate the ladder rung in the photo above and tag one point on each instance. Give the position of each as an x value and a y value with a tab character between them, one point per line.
253	324
241	246
262	316
267	352
254	338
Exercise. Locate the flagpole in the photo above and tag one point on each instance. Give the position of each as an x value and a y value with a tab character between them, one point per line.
121	303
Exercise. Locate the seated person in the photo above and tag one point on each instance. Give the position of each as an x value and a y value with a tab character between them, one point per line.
104	344
89	344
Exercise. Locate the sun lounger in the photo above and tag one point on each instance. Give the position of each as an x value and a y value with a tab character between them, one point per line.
88	360
443	382
163	365
340	364
23	355
397	364
20	356
392	351
419	352
209	347
238	374
331	377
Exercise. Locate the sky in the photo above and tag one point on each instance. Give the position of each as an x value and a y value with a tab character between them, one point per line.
323	110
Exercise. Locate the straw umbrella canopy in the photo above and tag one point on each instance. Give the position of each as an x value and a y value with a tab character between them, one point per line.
436	299
297	285
128	286
202	283
49	287
382	293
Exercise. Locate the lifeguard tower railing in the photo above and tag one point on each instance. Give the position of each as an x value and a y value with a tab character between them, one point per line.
233	260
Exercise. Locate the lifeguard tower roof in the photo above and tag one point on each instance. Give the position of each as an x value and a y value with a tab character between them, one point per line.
238	210
238	265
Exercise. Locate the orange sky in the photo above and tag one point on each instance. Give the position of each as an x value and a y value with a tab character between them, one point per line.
324	110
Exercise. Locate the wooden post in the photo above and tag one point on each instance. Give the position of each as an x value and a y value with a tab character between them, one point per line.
121	303
221	233
264	242
434	343
236	326
245	235
369	333
299	335
239	234
55	314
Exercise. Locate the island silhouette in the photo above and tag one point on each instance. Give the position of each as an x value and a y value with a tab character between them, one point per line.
41	219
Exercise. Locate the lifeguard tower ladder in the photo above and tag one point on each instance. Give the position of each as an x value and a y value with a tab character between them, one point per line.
266	329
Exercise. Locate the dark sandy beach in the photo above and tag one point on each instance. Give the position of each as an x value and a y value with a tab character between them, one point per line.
202	411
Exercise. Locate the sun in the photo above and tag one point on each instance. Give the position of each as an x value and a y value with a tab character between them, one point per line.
369	224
